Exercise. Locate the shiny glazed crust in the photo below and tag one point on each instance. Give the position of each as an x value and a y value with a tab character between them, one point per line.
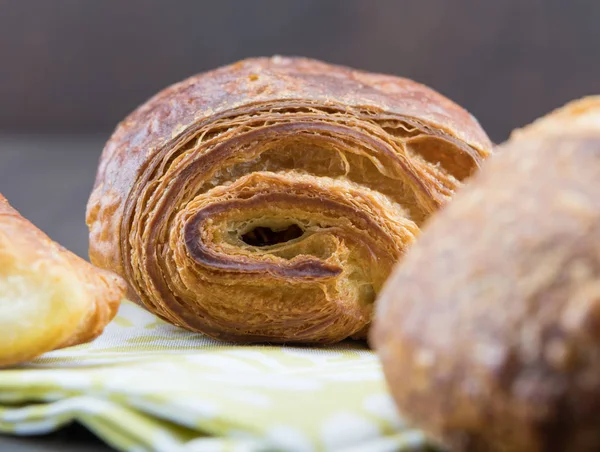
489	330
49	298
268	200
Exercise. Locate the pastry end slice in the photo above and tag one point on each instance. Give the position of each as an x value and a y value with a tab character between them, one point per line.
49	298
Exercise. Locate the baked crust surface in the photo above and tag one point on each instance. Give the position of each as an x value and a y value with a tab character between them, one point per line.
49	297
268	200
489	330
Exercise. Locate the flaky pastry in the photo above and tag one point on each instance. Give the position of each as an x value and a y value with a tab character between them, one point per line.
49	297
268	200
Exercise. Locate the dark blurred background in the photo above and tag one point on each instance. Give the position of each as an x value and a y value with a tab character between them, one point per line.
71	69
75	66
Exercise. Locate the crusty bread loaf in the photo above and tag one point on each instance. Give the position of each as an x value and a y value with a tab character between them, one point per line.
489	330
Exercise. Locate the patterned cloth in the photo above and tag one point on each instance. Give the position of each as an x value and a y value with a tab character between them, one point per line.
145	385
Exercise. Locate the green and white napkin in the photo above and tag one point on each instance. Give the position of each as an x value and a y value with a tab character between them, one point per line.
145	385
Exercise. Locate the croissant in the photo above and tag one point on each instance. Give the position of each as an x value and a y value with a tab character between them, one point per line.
267	201
489	329
49	297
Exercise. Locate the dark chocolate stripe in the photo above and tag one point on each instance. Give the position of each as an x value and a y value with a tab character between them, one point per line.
307	268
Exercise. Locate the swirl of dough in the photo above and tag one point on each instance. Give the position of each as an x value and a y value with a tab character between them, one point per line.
268	200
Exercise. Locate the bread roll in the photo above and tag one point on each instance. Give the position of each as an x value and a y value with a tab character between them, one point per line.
268	200
489	330
49	298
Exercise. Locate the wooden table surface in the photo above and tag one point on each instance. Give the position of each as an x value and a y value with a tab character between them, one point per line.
49	180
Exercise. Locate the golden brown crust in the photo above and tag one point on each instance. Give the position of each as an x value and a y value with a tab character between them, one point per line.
489	331
49	297
578	116
351	161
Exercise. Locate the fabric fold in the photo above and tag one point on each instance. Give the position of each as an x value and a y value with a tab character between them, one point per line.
147	385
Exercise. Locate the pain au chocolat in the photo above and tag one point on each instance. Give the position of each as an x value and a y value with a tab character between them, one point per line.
268	200
489	329
49	297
